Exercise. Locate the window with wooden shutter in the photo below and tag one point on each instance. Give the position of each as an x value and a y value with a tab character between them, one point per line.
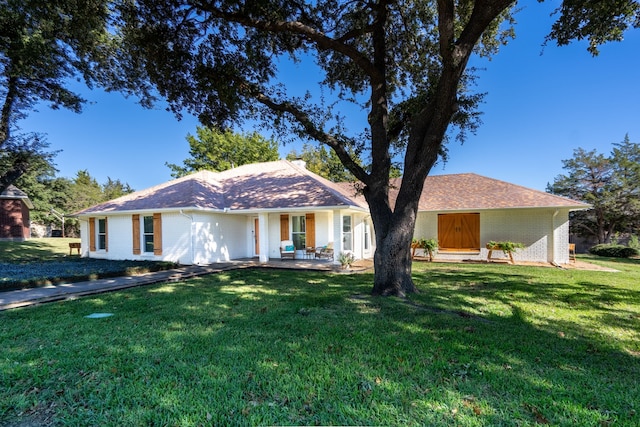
103	234
311	230
92	234
459	232
284	227
157	234
135	224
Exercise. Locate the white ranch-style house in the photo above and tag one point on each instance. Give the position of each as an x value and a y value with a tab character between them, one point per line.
247	212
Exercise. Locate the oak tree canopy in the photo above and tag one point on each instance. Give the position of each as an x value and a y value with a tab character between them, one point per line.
401	64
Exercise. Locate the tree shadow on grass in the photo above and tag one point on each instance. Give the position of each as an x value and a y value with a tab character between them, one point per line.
249	348
28	251
587	303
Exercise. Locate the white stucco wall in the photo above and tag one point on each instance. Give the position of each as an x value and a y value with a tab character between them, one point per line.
561	237
324	234
203	238
274	235
175	239
358	225
219	237
544	232
84	238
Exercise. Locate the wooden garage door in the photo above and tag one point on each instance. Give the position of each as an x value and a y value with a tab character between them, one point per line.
459	232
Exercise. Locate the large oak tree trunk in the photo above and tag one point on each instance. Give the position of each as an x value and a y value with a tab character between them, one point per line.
392	261
394	233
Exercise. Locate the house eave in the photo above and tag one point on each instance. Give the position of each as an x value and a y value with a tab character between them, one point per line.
230	211
476	209
144	211
25	200
295	209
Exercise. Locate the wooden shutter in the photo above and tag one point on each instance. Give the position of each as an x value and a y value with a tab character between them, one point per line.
311	230
135	224
284	227
157	234
106	236
92	234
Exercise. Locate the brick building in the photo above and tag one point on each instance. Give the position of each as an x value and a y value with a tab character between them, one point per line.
14	214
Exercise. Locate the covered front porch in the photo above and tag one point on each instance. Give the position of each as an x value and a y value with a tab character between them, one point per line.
319	235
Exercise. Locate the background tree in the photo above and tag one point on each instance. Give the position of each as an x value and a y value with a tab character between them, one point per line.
610	184
597	21
588	180
44	46
215	150
402	64
66	196
21	154
625	159
45	191
323	162
85	192
112	189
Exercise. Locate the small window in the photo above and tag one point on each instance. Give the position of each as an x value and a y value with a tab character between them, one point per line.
347	234
148	234
299	231
102	234
367	236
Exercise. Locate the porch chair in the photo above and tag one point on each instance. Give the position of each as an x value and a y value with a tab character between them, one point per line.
287	250
325	251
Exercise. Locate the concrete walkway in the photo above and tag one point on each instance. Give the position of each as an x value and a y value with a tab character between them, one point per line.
27	297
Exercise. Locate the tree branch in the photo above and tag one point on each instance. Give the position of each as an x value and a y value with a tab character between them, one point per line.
7	109
317	37
379	115
446	17
312	130
353	34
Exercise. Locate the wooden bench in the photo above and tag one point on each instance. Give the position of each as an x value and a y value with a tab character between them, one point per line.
74	245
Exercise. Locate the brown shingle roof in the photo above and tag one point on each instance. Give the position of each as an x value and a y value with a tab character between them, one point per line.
282	185
471	191
271	185
199	190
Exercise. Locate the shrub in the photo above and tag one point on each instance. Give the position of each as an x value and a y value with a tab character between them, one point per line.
346	259
429	246
506	247
614	251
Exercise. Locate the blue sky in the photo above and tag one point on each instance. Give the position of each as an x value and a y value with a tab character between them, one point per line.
540	106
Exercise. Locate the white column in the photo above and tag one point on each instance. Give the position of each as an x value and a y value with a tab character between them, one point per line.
263	222
337	235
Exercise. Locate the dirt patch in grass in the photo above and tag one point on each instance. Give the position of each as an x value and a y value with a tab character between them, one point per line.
40	416
581	265
573	265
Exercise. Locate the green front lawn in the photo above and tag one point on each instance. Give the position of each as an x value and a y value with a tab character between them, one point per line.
41	250
481	345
